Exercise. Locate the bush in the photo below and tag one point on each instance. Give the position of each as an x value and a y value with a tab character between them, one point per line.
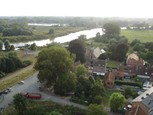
97	99
26	63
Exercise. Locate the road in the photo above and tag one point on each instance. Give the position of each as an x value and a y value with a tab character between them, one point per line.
31	85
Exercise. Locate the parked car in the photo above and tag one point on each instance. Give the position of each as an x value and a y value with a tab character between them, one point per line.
21	82
32	95
6	91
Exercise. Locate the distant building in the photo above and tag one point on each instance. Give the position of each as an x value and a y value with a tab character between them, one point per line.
134	66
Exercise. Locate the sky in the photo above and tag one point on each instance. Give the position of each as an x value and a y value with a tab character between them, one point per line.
95	8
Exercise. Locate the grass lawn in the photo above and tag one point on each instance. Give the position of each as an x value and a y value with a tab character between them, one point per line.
43	107
113	64
142	35
92	43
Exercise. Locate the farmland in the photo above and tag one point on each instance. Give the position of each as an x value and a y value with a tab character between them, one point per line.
142	35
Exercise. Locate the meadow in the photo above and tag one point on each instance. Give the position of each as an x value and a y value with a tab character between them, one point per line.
142	35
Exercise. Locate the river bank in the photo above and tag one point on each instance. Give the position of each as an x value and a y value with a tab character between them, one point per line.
41	33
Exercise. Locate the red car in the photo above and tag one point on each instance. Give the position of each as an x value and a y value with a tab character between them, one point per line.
33	95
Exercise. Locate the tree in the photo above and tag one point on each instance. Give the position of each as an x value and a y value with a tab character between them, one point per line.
67	83
134	42
77	47
121	51
33	46
81	70
98	35
7	45
12	47
139	47
95	109
128	92
20	103
53	63
97	99
83	37
1	45
116	101
103	56
111	29
51	31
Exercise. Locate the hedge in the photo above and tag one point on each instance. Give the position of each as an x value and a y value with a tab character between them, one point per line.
117	82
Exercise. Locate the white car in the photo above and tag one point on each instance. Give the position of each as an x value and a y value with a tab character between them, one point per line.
21	82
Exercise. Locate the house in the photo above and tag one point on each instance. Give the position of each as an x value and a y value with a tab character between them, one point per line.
96	66
111	76
133	66
99	67
91	55
143	104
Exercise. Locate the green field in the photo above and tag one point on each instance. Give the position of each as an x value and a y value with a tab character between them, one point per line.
142	35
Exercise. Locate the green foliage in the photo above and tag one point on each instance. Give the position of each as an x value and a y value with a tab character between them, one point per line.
16	30
139	47
53	64
117	82
66	84
33	47
7	45
54	113
9	62
51	31
120	52
111	29
77	47
135	41
97	99
117	101
95	109
81	70
20	103
87	89
103	56
1	45
128	92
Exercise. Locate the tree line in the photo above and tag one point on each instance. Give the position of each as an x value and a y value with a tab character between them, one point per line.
14	28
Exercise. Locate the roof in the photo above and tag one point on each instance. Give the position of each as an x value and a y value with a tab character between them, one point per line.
135	110
97	52
133	56
144	97
99	67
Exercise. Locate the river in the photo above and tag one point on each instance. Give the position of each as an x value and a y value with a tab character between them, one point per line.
62	39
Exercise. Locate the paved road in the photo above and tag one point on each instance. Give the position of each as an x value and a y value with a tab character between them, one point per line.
8	98
31	85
